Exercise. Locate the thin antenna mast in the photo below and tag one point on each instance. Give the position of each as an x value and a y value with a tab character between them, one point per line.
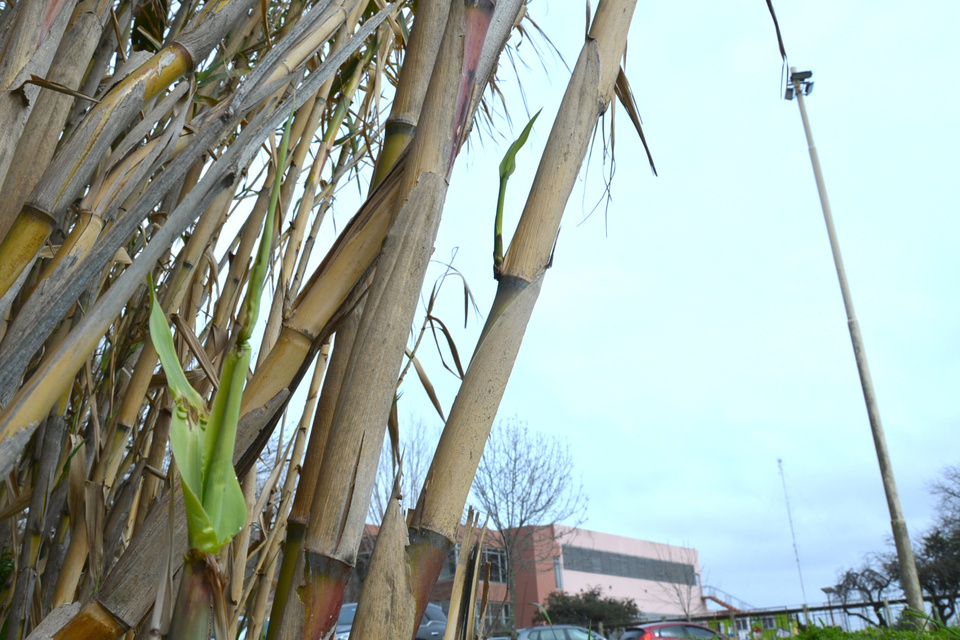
793	535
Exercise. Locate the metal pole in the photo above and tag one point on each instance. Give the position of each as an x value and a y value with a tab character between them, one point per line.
830	591
908	567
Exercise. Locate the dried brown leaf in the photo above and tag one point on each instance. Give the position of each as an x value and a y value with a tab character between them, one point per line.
60	88
434	322
427	385
625	94
197	349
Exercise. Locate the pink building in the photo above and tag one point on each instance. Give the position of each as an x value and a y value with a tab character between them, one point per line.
664	580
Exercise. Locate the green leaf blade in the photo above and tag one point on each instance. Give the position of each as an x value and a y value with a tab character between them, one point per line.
187	445
222	497
163	343
200	532
509	163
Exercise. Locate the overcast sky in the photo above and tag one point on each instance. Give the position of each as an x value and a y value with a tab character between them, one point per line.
694	333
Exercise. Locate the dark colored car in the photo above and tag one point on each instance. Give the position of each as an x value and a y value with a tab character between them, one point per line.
687	630
557	632
432	627
434	623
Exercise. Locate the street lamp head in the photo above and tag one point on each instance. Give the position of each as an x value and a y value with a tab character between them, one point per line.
799	83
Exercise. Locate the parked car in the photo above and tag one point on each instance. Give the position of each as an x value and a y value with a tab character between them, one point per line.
654	630
558	632
434	623
432	627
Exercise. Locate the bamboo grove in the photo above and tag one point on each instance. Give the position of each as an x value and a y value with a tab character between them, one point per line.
162	164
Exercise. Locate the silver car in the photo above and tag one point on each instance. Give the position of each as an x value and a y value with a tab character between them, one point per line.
558	632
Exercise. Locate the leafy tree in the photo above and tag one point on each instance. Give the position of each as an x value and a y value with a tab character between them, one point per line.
588	608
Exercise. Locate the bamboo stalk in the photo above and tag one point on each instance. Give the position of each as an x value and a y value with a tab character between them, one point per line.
39	515
378	260
29	49
191	619
42	130
41	391
62	181
388	564
333	280
287	614
435	521
418	64
109	190
353	449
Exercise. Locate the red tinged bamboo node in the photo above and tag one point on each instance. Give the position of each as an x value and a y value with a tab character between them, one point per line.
325	583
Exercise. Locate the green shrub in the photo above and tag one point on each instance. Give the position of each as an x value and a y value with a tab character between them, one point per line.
935	632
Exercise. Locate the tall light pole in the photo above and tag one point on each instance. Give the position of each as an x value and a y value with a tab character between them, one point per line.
830	591
800	86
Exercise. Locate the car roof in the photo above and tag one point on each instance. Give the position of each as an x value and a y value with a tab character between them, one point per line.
553	626
667	623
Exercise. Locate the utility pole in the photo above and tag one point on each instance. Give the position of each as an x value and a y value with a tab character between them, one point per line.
800	86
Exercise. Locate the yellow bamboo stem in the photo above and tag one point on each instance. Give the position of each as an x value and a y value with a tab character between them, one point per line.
436	519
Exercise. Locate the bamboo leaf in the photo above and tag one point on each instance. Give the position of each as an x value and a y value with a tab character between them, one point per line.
187	445
163	342
222	497
202	446
509	163
434	322
186	438
625	95
427	385
199	528
507	166
56	86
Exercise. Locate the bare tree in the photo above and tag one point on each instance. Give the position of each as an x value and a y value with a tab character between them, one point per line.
678	580
417	444
526	481
947	489
864	587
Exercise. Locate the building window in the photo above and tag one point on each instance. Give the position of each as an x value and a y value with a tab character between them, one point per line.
496	617
768	622
627	566
558	573
498	563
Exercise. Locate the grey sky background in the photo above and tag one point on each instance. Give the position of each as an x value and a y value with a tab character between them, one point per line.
693	332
